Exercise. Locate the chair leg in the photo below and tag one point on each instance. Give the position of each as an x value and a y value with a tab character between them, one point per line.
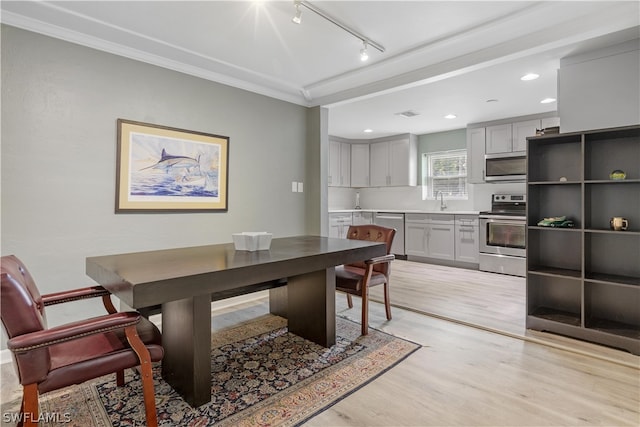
29	409
349	301
120	378
365	311
387	302
146	374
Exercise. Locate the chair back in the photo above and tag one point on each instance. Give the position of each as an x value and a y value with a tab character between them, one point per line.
373	233
22	309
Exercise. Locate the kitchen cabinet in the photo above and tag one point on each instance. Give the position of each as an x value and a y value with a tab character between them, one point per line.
430	236
339	224
339	164
475	155
510	137
466	238
394	162
584	281
362	218
359	165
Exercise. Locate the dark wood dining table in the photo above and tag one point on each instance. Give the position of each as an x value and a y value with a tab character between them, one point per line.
299	272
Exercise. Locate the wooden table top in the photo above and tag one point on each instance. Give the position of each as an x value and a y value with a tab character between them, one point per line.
142	279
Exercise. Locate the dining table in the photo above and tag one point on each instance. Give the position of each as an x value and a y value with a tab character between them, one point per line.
298	271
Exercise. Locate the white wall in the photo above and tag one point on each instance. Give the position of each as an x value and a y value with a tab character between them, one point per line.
600	89
60	103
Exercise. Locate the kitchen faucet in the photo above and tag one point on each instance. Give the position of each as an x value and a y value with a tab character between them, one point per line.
443	205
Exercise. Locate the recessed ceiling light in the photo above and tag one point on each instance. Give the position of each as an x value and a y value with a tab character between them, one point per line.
530	76
450	116
548	101
368	130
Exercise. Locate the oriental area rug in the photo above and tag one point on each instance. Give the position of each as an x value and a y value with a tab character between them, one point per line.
262	375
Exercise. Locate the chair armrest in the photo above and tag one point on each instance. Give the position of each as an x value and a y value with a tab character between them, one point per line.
380	259
71	331
74	295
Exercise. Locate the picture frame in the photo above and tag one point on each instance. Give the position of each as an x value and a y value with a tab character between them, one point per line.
166	169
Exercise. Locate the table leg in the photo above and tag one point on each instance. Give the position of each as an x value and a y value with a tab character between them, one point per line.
186	338
310	305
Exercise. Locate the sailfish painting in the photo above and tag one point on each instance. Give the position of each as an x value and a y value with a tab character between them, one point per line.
168	167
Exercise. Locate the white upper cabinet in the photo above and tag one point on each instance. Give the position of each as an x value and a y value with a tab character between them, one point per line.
359	165
475	155
339	164
522	130
394	163
498	139
510	137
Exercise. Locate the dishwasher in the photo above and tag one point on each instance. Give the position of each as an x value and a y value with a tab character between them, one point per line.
393	220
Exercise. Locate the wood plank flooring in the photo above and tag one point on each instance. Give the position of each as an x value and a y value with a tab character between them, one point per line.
479	367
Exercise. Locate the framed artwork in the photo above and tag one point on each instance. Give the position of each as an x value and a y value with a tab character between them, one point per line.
165	169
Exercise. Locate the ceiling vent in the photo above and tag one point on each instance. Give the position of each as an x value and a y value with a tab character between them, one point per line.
409	113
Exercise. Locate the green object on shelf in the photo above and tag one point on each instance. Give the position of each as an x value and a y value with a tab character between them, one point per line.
617	174
556	221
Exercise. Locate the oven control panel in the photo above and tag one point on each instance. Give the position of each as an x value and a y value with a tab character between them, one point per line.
509	198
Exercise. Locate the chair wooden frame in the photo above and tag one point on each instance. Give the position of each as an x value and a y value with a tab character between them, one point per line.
29	345
362	273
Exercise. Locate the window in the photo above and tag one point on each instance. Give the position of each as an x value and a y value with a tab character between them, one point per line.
446	172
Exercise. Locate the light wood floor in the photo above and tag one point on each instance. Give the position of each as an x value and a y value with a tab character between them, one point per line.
475	370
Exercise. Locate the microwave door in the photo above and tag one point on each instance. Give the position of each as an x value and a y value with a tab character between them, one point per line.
505	168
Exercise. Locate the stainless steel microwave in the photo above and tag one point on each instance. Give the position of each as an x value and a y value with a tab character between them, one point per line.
505	166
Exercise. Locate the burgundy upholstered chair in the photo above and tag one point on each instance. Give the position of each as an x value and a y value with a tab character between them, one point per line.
356	279
51	358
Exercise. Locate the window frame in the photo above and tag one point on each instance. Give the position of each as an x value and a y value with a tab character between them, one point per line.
428	178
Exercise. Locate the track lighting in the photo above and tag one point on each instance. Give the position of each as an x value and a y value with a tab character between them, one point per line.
364	54
298	17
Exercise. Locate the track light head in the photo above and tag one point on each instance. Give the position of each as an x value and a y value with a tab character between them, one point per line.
364	55
298	16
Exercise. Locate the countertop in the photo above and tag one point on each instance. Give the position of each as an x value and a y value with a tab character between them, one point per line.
450	212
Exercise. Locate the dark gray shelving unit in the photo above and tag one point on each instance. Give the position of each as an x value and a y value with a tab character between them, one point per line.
584	281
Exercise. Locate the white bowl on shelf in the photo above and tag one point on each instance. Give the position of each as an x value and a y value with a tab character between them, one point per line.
252	241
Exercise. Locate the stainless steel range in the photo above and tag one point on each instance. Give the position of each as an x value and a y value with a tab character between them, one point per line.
502	235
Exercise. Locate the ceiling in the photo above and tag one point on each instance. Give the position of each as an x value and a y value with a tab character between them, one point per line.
440	57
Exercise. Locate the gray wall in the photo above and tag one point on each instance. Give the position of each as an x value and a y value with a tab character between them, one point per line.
600	89
60	102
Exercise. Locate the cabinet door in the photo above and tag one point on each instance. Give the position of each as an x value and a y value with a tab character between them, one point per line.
399	168
521	130
415	239
379	166
334	164
359	165
345	165
441	241
475	155
339	224
467	247
362	218
498	139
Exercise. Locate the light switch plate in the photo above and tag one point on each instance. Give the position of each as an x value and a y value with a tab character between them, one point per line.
294	186
299	187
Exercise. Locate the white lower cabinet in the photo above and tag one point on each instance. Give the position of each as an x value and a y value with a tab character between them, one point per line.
339	224
447	237
430	236
362	218
467	238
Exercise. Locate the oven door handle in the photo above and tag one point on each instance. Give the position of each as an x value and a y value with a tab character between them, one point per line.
504	219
